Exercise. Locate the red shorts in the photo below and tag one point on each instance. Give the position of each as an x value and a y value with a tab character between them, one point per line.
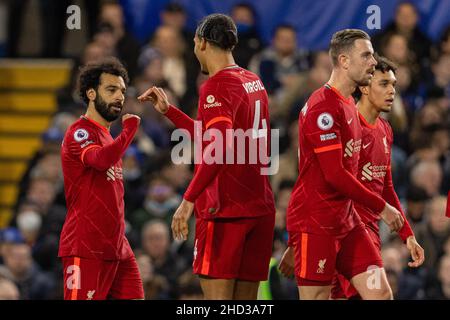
235	248
89	279
341	287
317	257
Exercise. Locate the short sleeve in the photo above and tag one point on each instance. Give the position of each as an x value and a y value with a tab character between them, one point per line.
321	127
79	140
215	104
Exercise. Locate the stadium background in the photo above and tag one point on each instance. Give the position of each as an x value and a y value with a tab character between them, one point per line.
38	67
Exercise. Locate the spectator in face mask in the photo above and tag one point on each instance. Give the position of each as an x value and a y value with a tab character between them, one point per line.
41	194
41	231
161	202
249	42
29	222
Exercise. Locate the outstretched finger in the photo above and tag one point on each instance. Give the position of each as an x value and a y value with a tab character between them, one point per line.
145	94
148	95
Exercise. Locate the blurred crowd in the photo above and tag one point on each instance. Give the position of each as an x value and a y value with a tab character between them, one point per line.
29	267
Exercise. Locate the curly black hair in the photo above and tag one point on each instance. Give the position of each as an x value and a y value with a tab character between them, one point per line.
90	75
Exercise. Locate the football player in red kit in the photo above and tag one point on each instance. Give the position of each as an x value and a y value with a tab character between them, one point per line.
97	258
234	205
374	169
325	232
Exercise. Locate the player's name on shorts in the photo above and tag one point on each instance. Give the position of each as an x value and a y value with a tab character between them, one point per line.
253	86
242	147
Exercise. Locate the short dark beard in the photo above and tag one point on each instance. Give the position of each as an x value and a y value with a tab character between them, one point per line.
104	109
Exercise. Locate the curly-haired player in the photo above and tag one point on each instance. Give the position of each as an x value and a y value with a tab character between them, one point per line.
97	258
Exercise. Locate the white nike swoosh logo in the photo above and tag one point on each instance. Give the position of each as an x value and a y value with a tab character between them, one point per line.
366	145
350	121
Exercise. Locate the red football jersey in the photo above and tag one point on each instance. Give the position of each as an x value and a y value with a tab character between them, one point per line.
237	96
95	225
328	121
374	162
374	171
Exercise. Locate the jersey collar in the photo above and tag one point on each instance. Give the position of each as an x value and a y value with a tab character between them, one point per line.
367	124
95	123
336	91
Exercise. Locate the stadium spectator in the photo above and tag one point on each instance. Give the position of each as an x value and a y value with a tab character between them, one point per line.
249	42
168	42
435	232
444	44
156	243
304	85
19	267
160	203
406	23
281	63
288	160
126	46
441	291
188	287
427	175
440	75
416	199
178	175
156	286
174	15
